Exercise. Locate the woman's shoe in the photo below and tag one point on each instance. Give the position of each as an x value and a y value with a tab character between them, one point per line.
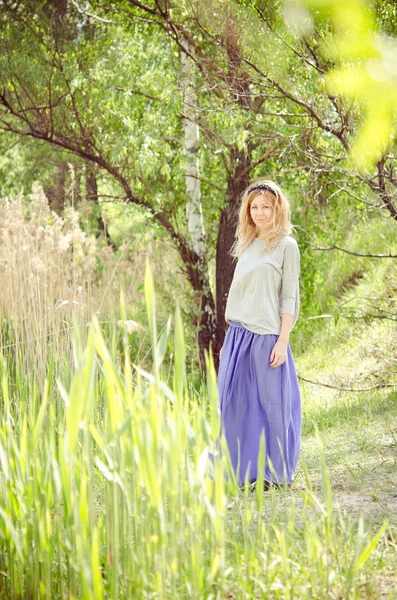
266	485
252	485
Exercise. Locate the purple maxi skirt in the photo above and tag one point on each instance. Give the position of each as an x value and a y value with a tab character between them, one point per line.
256	397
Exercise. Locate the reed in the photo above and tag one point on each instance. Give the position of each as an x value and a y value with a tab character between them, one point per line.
54	276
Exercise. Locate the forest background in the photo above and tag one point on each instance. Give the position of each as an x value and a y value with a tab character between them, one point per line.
128	132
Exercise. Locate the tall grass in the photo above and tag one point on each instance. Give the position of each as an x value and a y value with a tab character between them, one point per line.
107	489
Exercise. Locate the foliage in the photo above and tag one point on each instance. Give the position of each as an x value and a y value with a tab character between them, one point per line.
366	74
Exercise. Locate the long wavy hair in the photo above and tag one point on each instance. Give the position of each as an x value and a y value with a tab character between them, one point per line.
279	226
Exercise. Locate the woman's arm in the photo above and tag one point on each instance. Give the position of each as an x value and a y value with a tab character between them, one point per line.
286	326
289	293
278	355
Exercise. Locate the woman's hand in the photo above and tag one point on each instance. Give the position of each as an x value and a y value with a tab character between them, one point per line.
278	355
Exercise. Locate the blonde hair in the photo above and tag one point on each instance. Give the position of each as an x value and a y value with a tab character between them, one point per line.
279	226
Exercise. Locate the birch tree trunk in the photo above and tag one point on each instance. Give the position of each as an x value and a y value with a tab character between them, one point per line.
194	214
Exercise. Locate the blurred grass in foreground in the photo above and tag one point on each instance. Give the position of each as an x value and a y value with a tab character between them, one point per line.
106	490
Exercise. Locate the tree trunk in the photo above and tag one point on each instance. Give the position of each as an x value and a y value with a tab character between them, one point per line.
91	190
91	185
57	194
77	184
225	264
238	178
194	215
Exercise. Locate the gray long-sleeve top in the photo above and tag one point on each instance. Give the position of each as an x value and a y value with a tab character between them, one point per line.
265	286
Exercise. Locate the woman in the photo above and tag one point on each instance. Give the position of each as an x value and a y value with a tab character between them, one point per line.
257	382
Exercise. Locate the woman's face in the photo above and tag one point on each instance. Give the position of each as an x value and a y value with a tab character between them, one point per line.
261	210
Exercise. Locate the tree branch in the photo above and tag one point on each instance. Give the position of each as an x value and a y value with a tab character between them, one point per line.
356	253
260	160
348	389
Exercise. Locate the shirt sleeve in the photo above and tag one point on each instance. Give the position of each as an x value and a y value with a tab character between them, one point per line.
290	278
